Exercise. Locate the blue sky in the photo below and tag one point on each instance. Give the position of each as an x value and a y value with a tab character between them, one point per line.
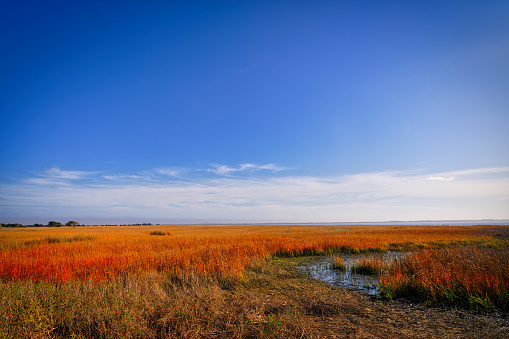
254	111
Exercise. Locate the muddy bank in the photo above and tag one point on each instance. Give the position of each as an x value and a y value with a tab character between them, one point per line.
337	312
361	316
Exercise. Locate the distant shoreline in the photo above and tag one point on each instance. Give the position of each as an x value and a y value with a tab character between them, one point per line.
483	222
503	222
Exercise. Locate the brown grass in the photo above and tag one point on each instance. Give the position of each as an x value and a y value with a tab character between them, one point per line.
154	306
272	301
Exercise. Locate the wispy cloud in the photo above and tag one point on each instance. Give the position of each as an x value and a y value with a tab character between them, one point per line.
478	171
55	176
228	170
172	172
122	177
439	178
480	193
57	173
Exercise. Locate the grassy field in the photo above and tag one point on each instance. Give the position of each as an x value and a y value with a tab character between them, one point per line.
182	281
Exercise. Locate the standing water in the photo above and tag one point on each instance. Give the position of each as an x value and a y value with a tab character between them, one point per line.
320	268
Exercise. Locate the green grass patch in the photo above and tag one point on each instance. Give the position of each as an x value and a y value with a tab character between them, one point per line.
58	240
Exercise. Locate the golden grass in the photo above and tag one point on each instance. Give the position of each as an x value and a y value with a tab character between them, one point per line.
105	253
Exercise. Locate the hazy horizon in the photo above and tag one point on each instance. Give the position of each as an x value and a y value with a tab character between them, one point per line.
190	222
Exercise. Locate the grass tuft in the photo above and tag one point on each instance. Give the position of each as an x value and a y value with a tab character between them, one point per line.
369	266
337	263
159	233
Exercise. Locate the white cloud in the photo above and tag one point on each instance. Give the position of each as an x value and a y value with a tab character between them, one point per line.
272	167
45	181
439	178
227	170
55	176
483	193
168	171
477	171
222	169
56	173
121	177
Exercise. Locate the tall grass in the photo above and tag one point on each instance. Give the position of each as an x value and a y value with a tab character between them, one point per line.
151	306
210	251
476	277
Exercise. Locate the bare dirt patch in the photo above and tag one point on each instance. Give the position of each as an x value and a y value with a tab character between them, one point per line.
361	316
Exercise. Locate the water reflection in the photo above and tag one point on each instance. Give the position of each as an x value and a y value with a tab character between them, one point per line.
319	268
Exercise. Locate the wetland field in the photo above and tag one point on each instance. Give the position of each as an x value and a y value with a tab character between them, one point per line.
266	281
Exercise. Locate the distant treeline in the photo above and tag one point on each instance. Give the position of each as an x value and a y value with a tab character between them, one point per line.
69	223
50	224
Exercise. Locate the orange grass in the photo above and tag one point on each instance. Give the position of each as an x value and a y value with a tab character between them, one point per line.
337	263
370	266
475	276
221	251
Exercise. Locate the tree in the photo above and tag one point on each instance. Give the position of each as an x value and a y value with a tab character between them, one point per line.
54	224
72	223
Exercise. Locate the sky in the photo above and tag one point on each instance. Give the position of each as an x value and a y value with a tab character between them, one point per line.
253	111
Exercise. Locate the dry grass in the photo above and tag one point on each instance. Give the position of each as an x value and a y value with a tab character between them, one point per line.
156	306
271	302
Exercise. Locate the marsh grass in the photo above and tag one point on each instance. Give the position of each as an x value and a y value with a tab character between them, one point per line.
228	282
337	263
58	240
156	306
60	255
370	266
475	277
13	244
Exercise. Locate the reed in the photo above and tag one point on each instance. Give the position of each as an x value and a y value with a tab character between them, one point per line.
337	263
369	266
476	277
